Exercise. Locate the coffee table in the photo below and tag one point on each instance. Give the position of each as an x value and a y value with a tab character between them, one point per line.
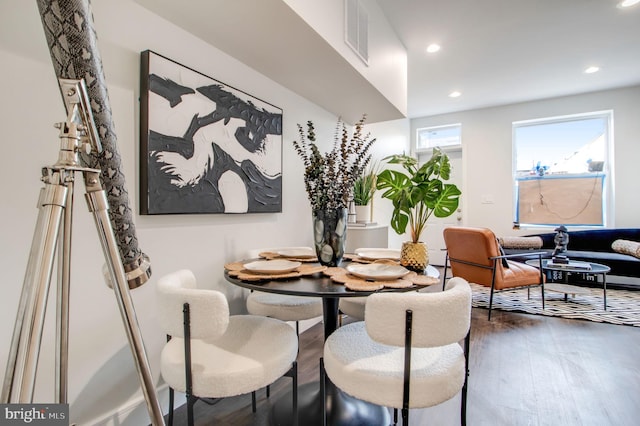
562	273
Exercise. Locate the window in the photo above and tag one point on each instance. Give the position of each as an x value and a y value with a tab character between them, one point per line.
560	170
428	138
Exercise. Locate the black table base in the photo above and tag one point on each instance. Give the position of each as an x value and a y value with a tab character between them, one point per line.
342	409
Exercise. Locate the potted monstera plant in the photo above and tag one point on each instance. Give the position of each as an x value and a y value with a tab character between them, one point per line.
417	194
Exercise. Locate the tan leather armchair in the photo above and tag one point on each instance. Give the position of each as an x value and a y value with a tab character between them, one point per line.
474	254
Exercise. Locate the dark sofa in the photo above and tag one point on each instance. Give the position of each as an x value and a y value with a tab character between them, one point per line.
595	246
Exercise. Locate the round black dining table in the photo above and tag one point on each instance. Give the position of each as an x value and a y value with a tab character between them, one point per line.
341	409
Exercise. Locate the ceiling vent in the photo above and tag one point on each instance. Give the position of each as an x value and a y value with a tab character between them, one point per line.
357	28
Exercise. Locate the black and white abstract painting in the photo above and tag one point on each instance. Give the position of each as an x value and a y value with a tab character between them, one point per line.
205	147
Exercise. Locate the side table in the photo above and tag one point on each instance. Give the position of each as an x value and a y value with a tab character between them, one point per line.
563	272
366	236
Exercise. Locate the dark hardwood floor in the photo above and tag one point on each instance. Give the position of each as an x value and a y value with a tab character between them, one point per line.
524	370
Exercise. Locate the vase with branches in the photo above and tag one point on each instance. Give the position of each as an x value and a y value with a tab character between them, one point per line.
329	179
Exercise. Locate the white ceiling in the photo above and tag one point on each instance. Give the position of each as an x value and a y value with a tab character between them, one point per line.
504	51
494	52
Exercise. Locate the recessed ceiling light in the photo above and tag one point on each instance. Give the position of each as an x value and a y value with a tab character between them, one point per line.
591	70
628	3
433	48
455	94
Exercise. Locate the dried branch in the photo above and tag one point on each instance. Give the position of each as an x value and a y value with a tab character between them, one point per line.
329	179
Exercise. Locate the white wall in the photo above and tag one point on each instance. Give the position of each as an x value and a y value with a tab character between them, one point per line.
392	138
387	64
102	379
486	139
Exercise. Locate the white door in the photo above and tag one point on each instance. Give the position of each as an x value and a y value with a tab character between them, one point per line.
432	235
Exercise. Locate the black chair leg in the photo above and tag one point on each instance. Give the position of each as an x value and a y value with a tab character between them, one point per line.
191	400
463	402
253	401
444	276
405	417
170	414
490	302
395	416
293	373
294	391
268	391
171	397
463	406
323	392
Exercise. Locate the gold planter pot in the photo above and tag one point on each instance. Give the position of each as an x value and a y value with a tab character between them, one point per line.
414	256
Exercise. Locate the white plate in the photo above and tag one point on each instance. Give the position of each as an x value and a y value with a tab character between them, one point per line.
277	266
300	252
377	271
378	253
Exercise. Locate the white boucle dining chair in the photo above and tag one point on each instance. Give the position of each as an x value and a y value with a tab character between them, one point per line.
406	353
353	307
211	354
281	306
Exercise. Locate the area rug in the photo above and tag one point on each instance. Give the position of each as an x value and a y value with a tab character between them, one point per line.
623	306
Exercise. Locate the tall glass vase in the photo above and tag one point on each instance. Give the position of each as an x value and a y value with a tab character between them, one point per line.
330	235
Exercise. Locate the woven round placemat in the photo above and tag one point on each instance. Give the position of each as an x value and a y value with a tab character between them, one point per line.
311	269
236	270
269	255
422	280
245	275
334	270
234	266
362	285
409	280
401	283
342	278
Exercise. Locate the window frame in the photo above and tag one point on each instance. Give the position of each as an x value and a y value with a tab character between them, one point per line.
448	147
607	173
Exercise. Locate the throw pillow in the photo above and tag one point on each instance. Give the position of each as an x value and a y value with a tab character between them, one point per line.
505	264
520	242
626	247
